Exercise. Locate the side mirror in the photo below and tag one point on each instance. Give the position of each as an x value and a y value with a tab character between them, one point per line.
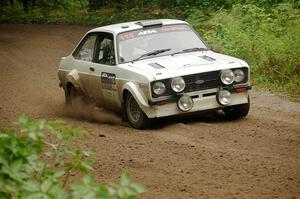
215	48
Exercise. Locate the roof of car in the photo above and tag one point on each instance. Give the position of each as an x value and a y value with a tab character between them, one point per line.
134	25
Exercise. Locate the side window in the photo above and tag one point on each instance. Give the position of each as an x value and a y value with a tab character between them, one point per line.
105	53
86	50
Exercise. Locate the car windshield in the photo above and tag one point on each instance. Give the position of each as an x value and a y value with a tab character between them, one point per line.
165	40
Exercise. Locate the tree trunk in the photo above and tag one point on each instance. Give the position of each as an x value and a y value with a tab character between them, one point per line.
33	4
25	4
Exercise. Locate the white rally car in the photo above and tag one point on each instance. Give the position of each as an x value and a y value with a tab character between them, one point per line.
154	68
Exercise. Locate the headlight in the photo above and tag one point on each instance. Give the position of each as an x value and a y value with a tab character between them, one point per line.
224	97
177	84
227	77
239	75
185	103
159	88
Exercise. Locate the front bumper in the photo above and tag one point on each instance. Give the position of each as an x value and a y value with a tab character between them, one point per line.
203	101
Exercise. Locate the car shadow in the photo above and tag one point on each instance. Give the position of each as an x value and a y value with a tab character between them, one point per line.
203	117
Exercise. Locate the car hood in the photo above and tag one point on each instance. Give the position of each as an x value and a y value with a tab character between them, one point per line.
184	64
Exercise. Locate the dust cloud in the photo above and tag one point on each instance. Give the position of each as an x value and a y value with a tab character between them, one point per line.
93	113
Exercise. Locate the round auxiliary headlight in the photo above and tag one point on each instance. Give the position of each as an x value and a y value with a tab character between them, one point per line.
159	88
185	103
177	84
224	97
239	75
227	77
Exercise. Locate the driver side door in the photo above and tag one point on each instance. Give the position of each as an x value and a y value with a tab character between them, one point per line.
82	60
105	75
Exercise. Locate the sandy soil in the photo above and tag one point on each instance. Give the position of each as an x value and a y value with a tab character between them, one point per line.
194	157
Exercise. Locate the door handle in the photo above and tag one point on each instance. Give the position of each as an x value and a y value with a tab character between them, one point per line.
92	69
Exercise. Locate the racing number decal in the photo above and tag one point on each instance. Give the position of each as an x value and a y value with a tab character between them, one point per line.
108	81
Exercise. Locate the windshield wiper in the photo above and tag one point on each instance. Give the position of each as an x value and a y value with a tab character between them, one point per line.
154	52
187	50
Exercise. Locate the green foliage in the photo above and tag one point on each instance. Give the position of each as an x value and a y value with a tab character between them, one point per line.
268	40
25	175
265	33
82	16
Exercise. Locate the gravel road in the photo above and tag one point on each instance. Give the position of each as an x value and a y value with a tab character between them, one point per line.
192	157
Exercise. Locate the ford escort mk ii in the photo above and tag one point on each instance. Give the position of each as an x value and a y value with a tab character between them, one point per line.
154	68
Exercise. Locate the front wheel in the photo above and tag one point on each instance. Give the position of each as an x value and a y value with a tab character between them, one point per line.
237	111
136	117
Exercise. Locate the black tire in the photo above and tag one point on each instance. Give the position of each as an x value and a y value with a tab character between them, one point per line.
237	111
136	117
73	97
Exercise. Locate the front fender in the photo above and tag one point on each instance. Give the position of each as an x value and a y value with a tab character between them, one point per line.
137	93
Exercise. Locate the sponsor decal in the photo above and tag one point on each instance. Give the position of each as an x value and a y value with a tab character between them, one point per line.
126	36
146	32
191	65
174	28
108	81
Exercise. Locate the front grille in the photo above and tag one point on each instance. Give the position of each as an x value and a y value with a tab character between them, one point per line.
200	81
208	80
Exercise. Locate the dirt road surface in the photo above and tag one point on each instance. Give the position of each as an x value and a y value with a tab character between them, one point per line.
195	157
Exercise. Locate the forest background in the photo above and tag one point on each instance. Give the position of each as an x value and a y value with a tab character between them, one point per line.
265	33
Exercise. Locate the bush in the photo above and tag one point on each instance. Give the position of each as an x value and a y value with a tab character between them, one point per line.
82	16
26	171
268	40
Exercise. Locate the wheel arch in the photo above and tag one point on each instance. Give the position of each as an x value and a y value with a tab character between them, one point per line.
72	79
136	93
139	97
142	121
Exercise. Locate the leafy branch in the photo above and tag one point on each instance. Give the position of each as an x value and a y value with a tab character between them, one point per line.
28	172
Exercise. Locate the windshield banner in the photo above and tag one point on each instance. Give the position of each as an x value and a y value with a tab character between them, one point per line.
140	33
